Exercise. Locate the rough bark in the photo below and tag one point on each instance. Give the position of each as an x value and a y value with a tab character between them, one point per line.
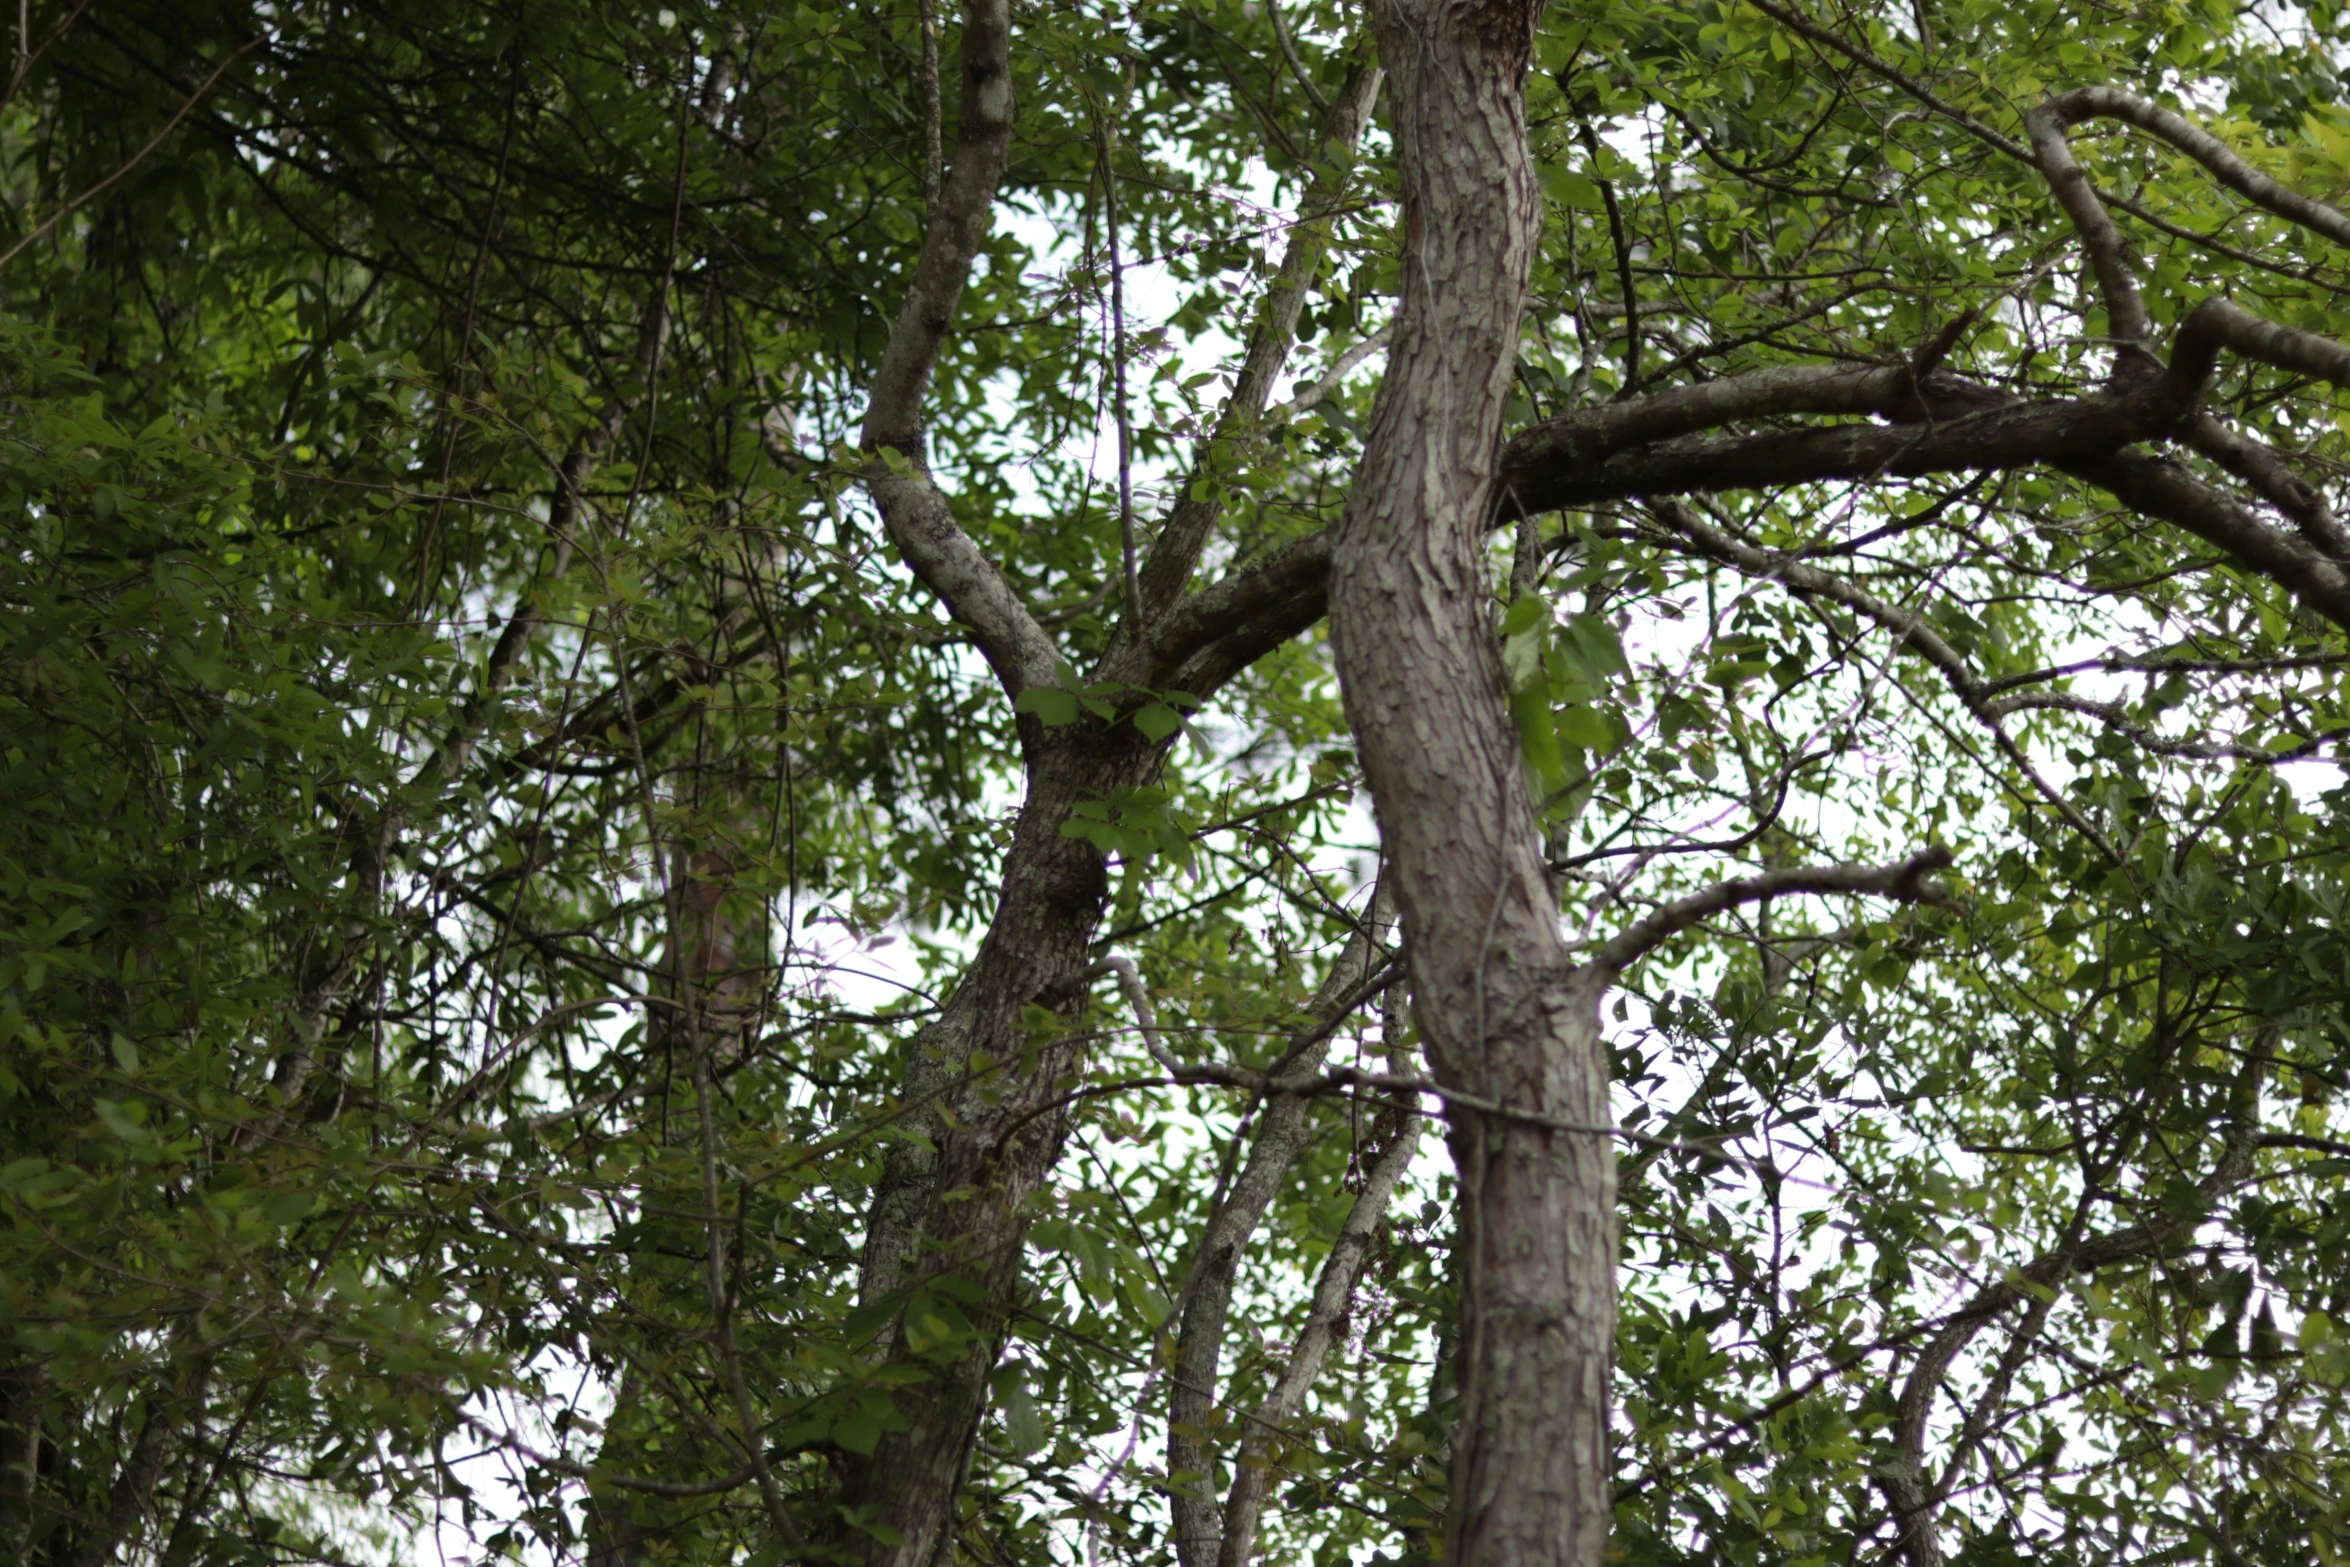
951	1222
1511	1020
951	1209
1505	1013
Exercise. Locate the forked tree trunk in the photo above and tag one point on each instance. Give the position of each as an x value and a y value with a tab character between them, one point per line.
1507	1016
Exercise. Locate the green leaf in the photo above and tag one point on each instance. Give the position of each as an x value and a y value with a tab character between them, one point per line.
1022	1427
287	1207
859	1430
1571	189
1051	705
1157	720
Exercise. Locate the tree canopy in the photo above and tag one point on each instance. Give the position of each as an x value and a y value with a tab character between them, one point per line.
690	702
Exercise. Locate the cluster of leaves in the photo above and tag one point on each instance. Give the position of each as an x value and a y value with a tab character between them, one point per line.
448	672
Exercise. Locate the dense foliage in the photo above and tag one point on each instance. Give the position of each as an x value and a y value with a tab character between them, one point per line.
488	815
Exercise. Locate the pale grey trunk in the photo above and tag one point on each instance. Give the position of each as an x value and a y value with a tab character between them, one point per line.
1334	1293
1506	1014
1215	1269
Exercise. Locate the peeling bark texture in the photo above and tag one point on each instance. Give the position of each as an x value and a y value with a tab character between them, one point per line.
1506	1014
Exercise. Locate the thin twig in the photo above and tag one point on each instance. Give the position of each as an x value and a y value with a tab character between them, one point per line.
136	158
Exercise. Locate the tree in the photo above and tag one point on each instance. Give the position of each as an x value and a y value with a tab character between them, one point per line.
540	539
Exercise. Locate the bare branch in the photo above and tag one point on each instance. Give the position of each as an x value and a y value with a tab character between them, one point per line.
1909	628
2110	714
2085	103
1795	22
1585	434
1905	880
1342	1272
1205	1300
1902	1475
1146	1016
913	508
2167	492
2216	323
1622	246
1220	630
2259	465
2125	311
1297	67
1656	446
1328	382
1175	554
1810	582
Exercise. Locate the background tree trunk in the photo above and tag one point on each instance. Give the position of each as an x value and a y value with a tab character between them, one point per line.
1506	1014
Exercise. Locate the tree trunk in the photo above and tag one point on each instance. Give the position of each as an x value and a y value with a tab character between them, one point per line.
948	1225
1506	1013
1282	1134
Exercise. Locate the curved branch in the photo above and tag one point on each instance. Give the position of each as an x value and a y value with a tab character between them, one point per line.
1661	445
2216	324
1905	880
914	510
1913	633
2111	715
2054	154
2087	103
1138	996
1902	1475
2163	490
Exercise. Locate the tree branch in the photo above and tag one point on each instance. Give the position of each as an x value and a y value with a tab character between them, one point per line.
1205	1300
913	508
1342	1272
2125	311
1905	880
1175	554
1662	445
2086	103
2260	465
1902	1475
2216	324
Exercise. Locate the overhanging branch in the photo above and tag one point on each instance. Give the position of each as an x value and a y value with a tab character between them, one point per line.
1904	880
